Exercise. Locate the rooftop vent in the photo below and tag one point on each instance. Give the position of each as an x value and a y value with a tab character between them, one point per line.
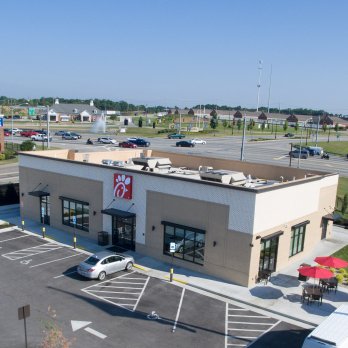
152	163
224	176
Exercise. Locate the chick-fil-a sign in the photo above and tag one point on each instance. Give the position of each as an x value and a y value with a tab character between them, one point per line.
123	186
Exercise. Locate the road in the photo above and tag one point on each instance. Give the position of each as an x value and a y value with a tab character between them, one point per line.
274	152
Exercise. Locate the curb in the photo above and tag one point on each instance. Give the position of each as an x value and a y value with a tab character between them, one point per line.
178	280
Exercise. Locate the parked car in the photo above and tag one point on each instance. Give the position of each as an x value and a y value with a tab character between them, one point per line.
40	137
139	142
69	136
28	133
184	143
16	117
6	134
198	141
107	140
315	150
189	243
103	263
60	133
289	135
176	136
128	144
16	130
79	136
303	154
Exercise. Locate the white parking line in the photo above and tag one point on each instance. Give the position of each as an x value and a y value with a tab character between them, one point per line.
39	249
6	240
45	263
147	280
179	309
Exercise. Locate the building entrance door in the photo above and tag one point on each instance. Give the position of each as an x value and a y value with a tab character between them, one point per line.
268	254
324	223
123	232
45	210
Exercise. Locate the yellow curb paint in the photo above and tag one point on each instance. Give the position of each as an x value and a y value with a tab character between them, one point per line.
142	268
177	280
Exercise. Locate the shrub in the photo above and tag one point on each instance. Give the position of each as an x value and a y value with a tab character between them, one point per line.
342	271
9	154
27	145
2	156
339	278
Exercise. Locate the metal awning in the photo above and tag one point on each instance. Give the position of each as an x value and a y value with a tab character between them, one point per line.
275	234
38	193
117	212
331	217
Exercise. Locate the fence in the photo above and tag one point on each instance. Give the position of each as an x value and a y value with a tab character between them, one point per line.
12	146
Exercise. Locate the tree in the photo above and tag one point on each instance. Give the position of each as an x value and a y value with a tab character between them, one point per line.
213	122
113	118
224	124
344	203
324	127
140	122
336	127
285	125
239	124
296	126
263	125
154	124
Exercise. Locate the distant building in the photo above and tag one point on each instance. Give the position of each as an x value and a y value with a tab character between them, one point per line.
73	112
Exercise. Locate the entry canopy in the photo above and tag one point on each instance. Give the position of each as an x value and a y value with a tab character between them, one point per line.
117	212
39	193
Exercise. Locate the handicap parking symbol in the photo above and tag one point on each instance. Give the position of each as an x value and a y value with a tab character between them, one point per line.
25	262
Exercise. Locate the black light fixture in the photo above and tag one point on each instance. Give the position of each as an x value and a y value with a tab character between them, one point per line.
258	237
22	194
214	243
251	245
153	228
94	212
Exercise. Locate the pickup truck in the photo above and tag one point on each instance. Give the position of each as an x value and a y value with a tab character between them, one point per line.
40	137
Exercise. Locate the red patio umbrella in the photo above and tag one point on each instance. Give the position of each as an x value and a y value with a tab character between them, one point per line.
315	272
331	261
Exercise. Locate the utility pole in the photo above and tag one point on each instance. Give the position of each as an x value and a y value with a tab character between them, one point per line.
269	89
259	85
243	140
48	127
316	135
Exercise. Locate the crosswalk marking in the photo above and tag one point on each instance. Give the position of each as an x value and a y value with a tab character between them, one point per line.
40	249
240	331
111	290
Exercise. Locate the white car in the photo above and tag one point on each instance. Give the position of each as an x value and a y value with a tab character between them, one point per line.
107	140
198	141
16	130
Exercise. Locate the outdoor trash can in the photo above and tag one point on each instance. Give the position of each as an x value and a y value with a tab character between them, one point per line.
103	238
300	276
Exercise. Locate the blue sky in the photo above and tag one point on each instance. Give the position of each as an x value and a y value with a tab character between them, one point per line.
177	52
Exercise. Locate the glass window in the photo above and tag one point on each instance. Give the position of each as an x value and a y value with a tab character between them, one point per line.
297	239
189	243
75	210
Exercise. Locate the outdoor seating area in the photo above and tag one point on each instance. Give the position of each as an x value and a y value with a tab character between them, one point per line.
264	276
327	280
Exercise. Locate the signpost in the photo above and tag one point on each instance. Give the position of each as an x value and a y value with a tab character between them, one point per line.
74	222
172	247
1	121
23	313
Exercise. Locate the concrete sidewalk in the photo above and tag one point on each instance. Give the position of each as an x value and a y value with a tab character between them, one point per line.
281	296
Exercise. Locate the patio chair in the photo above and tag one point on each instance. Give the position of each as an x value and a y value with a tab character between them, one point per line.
331	287
318	298
264	276
304	296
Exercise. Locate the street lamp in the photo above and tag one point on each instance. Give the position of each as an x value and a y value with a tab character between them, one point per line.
304	124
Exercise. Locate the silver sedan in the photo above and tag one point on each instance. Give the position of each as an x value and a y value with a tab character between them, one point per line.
99	265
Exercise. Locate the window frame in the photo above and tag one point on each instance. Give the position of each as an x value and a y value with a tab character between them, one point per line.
297	239
69	206
187	231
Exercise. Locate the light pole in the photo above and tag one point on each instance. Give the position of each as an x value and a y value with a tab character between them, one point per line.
316	135
48	127
243	140
304	124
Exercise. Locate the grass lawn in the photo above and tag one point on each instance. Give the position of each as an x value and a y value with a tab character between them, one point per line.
342	254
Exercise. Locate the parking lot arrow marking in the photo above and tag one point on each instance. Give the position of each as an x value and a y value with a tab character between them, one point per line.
95	333
76	325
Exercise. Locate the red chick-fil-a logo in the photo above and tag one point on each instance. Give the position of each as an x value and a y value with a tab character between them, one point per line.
123	186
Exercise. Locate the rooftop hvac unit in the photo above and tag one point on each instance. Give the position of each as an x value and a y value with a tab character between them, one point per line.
224	176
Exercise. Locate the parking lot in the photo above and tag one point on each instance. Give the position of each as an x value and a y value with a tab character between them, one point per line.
128	309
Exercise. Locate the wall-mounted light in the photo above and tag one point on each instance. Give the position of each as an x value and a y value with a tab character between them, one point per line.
258	237
251	245
22	194
153	228
94	212
214	243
